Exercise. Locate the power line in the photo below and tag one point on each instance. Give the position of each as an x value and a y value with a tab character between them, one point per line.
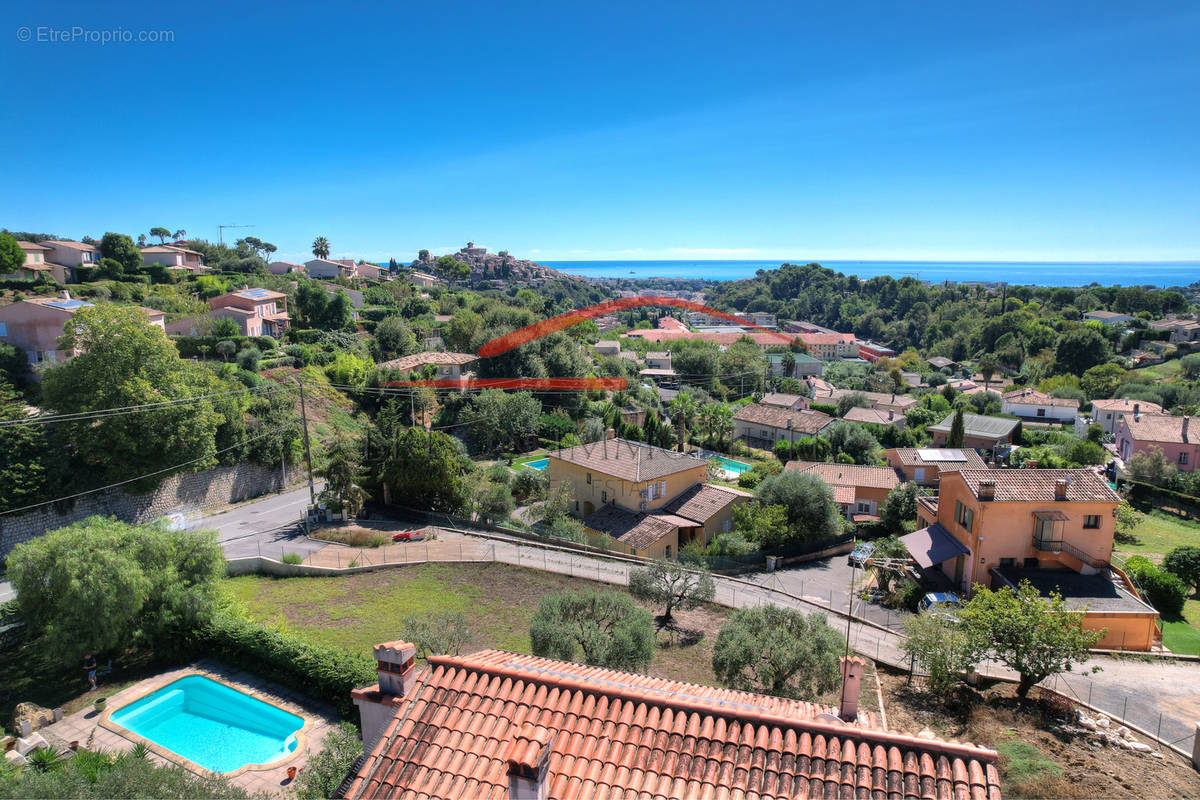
81	416
147	475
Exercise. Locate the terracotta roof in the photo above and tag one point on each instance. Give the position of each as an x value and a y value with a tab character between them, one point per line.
421	359
628	461
848	474
844	495
616	734
1037	485
804	421
780	399
875	416
87	248
1162	428
32	246
940	361
638	530
703	500
658	354
1033	397
877	399
1125	404
826	338
169	248
957	459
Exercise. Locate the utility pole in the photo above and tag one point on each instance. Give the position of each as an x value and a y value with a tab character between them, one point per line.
312	492
221	231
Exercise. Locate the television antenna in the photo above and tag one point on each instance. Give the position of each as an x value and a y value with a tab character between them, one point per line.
221	231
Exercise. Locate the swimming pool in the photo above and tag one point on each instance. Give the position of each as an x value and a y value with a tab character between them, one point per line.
211	724
733	466
541	463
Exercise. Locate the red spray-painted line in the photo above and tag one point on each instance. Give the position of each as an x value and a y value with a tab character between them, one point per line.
556	384
502	344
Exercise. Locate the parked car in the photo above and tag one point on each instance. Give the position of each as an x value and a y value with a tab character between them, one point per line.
408	536
943	605
862	551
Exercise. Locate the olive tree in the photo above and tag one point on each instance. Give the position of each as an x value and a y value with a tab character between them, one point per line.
940	649
609	629
436	632
1034	636
778	651
671	585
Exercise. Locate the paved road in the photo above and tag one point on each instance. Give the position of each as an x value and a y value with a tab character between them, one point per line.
269	527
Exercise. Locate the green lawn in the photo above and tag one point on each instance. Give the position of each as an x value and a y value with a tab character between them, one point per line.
1160	372
1181	636
356	612
1158	533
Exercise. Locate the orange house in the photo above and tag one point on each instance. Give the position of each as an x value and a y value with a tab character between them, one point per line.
1052	527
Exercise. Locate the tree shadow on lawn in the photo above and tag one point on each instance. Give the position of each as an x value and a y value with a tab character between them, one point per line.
677	635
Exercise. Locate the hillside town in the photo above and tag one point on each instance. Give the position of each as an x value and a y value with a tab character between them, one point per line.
711	456
528	401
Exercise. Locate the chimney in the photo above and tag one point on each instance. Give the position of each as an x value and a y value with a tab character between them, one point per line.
891	415
377	704
528	759
789	423
1137	411
852	672
64	295
987	490
1186	420
1060	489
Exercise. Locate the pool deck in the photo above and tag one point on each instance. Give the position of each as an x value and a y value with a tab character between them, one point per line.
87	724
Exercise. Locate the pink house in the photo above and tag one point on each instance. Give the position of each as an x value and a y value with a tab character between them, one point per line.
257	312
1174	436
72	254
35	325
173	257
37	262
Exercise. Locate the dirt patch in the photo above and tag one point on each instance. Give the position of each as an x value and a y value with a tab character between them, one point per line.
1037	758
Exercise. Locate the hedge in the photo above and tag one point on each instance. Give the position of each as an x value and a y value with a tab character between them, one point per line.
189	346
376	314
1164	590
304	335
318	670
824	408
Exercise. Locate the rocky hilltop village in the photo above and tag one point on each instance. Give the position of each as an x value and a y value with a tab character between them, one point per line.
495	267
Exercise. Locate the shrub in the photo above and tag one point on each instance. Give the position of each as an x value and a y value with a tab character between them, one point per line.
1164	590
293	558
300	353
529	484
324	772
329	673
1184	561
249	358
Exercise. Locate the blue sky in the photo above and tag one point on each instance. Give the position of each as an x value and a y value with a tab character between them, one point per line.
999	131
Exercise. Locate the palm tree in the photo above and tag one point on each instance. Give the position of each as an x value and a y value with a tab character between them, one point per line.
320	247
707	417
722	421
683	410
988	365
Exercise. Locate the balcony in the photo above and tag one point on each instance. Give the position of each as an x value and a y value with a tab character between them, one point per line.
1048	544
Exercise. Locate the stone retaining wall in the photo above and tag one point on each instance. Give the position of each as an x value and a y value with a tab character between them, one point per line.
186	493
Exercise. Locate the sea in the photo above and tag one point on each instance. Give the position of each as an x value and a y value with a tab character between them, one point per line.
1051	273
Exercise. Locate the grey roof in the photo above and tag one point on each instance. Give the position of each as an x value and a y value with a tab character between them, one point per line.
1094	592
983	427
933	545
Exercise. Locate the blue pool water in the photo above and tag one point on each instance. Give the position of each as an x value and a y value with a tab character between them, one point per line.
211	724
733	466
541	463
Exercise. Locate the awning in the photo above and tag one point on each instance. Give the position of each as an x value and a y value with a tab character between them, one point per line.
1051	516
933	545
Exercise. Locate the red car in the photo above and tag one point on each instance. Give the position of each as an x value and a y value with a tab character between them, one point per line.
408	536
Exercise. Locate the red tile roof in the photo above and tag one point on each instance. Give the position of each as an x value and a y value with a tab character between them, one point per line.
1037	485
805	422
1126	404
421	359
626	460
703	500
639	530
1032	397
856	475
619	735
1162	428
957	458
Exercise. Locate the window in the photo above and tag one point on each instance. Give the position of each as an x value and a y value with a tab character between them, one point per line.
1041	412
650	492
662	489
1183	458
576	506
3	329
1091	520
589	478
864	508
604	497
963	515
668	551
1008	562
766	434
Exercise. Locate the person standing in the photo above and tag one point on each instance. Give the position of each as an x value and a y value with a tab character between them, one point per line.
89	666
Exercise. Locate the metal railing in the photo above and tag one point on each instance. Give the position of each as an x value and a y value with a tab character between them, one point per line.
1049	545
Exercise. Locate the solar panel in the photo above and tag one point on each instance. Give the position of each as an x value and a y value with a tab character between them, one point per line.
67	305
255	294
941	455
